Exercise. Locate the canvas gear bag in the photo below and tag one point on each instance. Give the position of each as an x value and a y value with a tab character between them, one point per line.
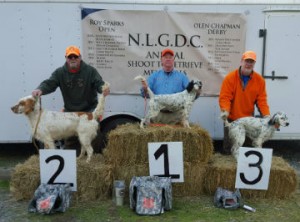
227	199
50	198
150	195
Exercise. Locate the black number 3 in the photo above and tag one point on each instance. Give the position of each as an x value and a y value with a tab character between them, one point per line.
258	165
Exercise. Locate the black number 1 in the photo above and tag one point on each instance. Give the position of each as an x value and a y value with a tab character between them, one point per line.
163	150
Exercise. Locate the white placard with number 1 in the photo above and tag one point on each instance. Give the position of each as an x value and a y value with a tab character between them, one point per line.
253	168
166	159
58	166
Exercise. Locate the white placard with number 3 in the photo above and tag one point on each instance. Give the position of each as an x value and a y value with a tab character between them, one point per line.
58	167
253	168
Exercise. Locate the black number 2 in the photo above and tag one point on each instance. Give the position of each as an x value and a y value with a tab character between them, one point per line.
258	165
163	150
59	169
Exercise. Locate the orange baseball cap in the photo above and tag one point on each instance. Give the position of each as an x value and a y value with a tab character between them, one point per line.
165	51
72	50
249	55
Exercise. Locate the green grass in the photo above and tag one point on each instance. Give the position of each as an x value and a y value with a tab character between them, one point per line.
4	184
196	209
11	161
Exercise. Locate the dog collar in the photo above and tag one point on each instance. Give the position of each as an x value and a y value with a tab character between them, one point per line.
276	125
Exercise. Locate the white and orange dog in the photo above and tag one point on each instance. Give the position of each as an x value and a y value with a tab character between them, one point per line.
258	130
182	101
48	126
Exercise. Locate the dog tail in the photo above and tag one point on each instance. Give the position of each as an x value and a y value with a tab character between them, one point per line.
99	111
149	91
140	78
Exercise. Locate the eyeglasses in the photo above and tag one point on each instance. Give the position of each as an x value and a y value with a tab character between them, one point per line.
249	61
73	57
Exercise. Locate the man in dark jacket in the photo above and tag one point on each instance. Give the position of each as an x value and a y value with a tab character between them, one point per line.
79	84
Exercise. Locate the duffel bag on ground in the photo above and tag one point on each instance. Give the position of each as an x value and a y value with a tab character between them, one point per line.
150	195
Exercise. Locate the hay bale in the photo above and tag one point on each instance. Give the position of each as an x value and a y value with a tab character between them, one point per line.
94	179
25	179
128	144
127	172
194	175
221	172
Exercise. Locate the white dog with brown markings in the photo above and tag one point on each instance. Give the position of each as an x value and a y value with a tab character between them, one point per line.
48	126
259	130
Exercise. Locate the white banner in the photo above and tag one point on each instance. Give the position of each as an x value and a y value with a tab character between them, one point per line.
124	44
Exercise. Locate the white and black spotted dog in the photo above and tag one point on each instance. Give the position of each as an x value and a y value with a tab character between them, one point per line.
182	101
258	130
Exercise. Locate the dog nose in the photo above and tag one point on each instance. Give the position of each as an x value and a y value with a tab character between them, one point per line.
287	124
14	109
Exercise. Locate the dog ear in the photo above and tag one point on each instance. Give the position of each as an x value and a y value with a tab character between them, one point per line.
200	84
272	121
29	106
190	86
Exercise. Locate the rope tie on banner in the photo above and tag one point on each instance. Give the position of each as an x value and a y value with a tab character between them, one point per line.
36	125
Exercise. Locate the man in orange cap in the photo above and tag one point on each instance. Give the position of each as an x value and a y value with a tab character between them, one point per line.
79	83
166	81
241	90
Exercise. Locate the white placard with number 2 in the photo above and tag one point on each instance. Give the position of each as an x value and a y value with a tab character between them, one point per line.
58	166
166	159
253	168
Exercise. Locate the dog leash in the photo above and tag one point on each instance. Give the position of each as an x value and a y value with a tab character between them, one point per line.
36	126
145	105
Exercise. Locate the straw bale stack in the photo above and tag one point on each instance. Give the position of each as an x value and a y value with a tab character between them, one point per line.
128	144
194	175
127	151
94	179
126	155
221	172
25	179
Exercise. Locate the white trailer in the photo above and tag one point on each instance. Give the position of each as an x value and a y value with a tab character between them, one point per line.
34	35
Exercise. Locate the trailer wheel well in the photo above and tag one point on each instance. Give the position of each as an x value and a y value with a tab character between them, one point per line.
107	125
112	122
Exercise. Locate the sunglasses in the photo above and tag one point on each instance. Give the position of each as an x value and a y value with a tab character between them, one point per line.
73	57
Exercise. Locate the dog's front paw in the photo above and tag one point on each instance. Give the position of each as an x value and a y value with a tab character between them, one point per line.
80	156
88	159
235	154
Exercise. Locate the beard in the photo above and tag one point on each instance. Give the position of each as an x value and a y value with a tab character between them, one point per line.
73	65
246	71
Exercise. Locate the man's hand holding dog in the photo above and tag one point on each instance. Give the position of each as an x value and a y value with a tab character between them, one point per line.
106	91
37	92
144	85
224	115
